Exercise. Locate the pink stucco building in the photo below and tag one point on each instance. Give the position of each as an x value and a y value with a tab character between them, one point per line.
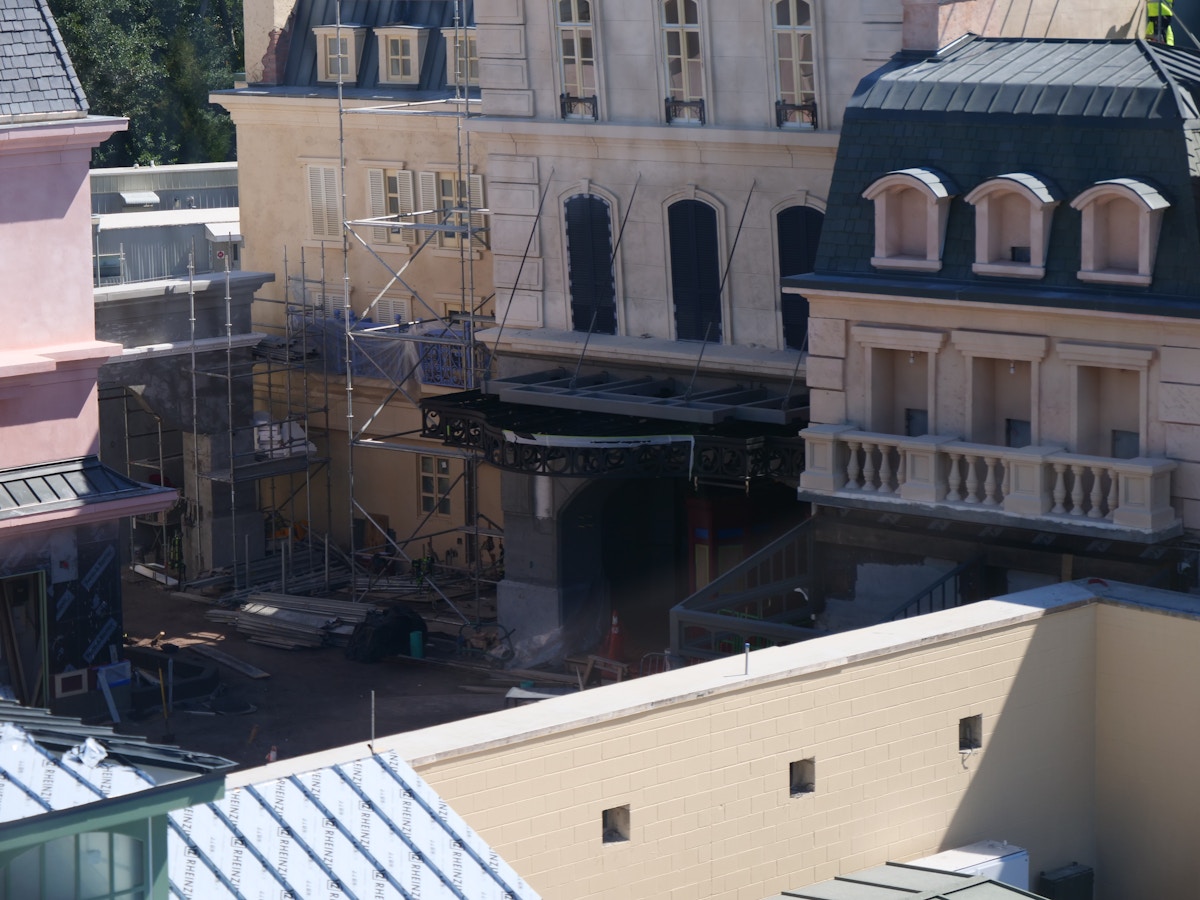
60	602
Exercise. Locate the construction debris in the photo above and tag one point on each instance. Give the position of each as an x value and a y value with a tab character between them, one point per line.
232	662
290	622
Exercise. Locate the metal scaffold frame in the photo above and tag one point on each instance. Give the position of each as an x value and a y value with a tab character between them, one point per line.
456	338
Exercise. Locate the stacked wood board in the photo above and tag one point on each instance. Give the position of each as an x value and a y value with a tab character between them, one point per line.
290	622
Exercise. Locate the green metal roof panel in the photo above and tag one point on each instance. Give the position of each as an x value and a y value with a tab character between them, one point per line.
63	485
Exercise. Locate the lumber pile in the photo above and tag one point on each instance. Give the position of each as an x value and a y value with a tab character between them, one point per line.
291	622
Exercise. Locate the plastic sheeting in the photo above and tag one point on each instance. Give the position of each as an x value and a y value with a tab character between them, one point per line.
371	828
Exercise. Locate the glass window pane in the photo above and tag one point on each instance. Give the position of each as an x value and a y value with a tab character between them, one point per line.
671	12
60	868
94	861
692	12
426	504
443	466
426	484
128	864
426	463
585	11
783	12
803	14
25	874
693	45
564	11
444	507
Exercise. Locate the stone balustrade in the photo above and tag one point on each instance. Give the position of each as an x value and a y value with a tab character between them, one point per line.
1042	483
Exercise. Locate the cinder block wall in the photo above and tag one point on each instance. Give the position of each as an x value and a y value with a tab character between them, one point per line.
701	757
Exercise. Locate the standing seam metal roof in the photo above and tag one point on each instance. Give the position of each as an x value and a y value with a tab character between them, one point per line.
1108	79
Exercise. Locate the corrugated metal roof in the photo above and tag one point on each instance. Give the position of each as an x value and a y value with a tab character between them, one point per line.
36	76
1090	78
369	828
63	485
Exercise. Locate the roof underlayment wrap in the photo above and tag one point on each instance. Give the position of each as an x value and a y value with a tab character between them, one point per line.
371	828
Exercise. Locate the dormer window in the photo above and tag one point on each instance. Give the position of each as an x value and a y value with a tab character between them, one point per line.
401	50
1122	219
338	51
911	207
1012	225
462	58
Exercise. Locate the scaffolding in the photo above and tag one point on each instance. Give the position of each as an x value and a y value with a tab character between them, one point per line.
253	456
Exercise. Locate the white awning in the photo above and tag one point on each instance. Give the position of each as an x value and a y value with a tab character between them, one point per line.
220	232
139	198
219	218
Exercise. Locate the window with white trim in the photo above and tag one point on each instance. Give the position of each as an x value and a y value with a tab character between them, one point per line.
1012	225
792	30
576	58
462	58
401	51
1122	219
435	485
684	57
324	201
338	52
392	199
457	201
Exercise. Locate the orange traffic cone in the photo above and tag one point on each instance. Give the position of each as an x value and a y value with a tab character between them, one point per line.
612	648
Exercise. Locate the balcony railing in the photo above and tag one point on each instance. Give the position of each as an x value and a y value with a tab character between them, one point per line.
1037	484
570	106
685	110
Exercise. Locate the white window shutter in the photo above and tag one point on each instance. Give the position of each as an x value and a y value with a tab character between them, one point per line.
378	203
404	189
333	217
316	200
475	183
429	200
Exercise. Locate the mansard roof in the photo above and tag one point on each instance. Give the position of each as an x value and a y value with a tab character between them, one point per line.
301	69
1068	113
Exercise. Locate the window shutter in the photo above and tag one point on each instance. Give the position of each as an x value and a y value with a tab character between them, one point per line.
590	265
475	187
333	216
316	200
404	190
427	182
378	203
798	232
695	271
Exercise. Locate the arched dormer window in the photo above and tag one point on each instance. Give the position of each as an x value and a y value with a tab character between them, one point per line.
1012	225
911	207
1122	219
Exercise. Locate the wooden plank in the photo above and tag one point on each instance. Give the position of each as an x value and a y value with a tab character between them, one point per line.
231	661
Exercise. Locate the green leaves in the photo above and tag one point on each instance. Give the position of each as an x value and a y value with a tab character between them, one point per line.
154	62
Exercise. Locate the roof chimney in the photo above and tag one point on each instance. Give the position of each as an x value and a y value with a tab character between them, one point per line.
930	24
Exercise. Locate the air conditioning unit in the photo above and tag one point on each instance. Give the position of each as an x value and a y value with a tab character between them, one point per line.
998	860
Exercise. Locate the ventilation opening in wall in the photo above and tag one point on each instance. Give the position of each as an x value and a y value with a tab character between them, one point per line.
616	824
802	774
1020	255
970	733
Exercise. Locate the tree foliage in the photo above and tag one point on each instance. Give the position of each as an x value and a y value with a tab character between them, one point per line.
154	62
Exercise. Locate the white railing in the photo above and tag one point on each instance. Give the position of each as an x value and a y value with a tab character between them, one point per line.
1033	482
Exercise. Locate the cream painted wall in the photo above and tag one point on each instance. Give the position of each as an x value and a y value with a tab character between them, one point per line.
707	777
1166	407
278	136
1147	729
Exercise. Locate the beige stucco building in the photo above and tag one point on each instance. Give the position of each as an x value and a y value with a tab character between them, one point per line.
387	144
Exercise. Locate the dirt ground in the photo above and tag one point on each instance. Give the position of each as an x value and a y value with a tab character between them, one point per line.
313	699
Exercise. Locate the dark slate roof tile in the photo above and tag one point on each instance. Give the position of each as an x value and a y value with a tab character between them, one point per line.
36	76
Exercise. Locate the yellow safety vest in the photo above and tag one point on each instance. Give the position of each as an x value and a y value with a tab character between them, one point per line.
1158	23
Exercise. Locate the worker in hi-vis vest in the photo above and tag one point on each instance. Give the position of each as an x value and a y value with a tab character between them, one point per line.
1158	23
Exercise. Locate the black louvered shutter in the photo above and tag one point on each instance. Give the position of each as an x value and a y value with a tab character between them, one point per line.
590	265
799	231
695	271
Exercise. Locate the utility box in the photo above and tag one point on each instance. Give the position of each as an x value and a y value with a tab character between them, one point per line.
998	860
1073	882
